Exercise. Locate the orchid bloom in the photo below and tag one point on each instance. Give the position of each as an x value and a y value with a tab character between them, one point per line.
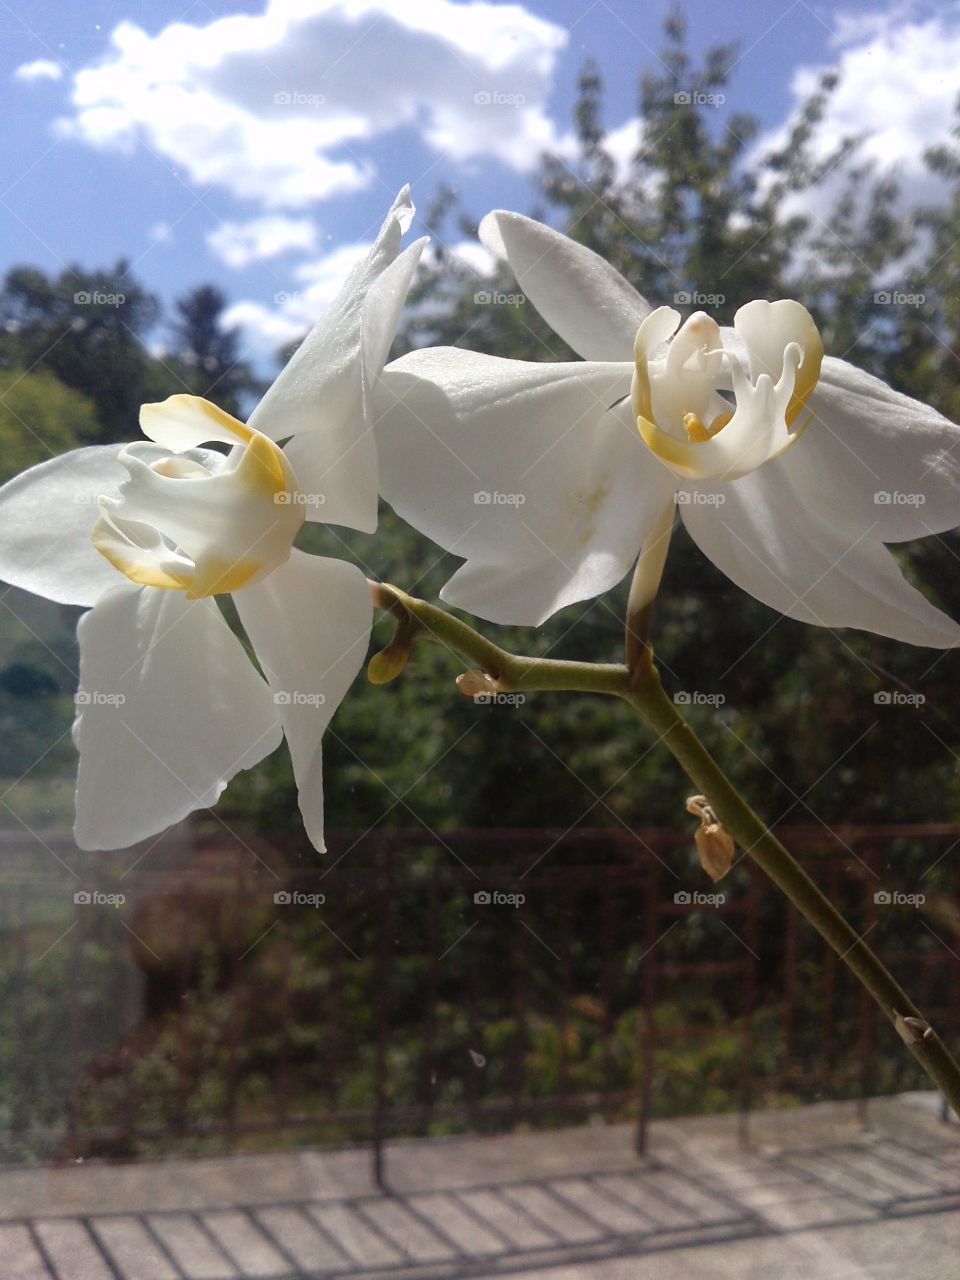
147	534
790	471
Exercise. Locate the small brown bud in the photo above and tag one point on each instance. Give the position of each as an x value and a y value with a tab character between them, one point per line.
473	683
715	847
714	843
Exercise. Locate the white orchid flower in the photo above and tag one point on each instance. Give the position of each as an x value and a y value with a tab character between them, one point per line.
147	534
789	471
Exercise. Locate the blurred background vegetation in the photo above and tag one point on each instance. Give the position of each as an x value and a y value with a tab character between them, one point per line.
799	728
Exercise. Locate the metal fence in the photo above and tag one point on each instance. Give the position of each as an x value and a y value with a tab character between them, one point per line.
212	993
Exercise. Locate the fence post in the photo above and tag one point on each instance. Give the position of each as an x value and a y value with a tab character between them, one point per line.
953	1017
384	893
647	1021
866	1007
750	1004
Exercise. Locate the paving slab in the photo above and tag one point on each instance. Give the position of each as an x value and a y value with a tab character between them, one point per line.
815	1195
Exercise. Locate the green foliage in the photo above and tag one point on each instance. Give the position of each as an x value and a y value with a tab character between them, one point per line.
208	355
274	1014
695	212
40	418
38	677
90	330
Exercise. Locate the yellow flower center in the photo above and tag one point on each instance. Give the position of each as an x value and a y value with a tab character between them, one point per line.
710	442
180	525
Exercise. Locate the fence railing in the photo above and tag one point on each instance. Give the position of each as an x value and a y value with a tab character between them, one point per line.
211	993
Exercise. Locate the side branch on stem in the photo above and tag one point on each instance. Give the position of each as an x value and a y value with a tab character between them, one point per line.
510	673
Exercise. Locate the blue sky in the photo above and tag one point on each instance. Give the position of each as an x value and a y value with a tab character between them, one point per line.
257	143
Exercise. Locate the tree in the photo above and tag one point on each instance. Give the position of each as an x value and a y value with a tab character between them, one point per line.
89	328
40	418
208	354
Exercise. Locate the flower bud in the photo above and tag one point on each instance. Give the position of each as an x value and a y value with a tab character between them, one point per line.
387	665
474	683
714	843
715	847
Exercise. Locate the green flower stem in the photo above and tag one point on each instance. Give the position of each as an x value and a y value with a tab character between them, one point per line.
641	688
750	832
645	585
512	674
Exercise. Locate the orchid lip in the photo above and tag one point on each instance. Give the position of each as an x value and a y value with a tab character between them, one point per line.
682	413
205	527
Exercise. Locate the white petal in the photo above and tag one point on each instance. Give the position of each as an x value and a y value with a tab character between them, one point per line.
338	471
323	390
182	422
763	535
140	553
382	307
585	300
523	470
767	329
46	516
170	708
309	623
874	457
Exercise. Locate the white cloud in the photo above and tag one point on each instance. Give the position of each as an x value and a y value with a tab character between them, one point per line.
475	256
295	309
855	27
622	144
897	85
468	254
265	105
239	243
42	69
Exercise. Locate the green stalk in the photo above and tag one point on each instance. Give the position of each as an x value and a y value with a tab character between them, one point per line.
756	839
511	673
642	690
